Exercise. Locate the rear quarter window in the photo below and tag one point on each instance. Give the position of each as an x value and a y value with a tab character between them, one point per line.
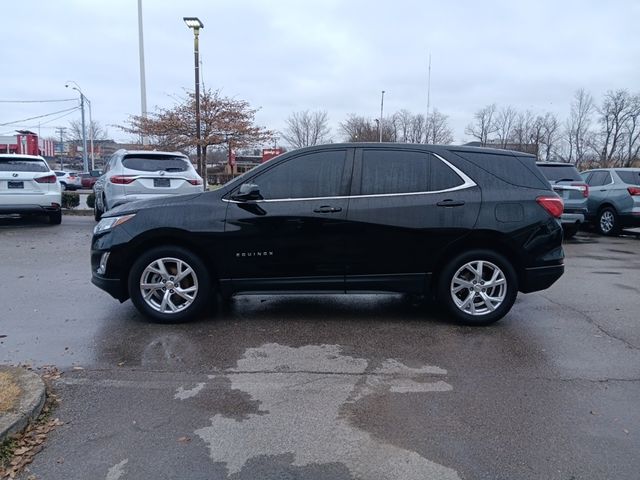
632	177
154	163
516	170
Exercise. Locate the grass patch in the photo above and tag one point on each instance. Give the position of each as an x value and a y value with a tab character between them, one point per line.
9	392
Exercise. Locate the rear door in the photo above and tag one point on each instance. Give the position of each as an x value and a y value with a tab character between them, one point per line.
406	207
293	237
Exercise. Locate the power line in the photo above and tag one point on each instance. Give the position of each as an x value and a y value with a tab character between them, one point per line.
39	101
38	116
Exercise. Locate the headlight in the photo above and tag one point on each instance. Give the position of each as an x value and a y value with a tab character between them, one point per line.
111	222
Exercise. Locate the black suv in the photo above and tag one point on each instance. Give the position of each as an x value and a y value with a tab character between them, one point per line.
473	226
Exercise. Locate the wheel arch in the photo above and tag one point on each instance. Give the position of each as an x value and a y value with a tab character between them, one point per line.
480	240
166	239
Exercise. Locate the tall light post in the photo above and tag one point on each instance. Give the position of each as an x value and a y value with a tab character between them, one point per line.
143	82
85	159
195	24
381	113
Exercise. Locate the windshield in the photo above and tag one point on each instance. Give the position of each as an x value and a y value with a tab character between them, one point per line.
153	163
22	165
556	173
632	177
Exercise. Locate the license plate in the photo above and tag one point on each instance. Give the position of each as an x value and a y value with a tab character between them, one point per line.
15	184
161	182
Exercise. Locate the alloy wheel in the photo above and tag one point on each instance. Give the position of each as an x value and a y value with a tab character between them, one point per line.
607	221
478	287
169	285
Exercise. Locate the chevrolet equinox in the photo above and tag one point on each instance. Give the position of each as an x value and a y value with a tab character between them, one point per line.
470	226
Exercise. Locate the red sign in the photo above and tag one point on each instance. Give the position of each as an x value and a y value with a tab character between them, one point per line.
269	153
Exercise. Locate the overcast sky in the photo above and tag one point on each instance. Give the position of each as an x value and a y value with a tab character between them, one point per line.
287	55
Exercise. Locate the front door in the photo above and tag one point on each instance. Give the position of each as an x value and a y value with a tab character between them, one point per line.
292	236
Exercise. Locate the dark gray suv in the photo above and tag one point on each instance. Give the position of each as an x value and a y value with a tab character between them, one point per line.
614	198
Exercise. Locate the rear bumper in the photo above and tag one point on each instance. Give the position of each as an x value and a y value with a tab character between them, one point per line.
28	209
572	218
540	278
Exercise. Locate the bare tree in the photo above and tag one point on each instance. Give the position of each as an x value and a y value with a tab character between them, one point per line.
614	113
359	129
307	128
549	135
483	124
578	131
74	132
632	132
404	122
437	130
504	120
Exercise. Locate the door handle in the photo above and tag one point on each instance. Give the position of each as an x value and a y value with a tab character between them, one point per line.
450	203
327	209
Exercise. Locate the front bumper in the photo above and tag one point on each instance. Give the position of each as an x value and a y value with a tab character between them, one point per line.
540	278
113	286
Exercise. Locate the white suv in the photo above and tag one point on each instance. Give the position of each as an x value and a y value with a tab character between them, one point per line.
140	175
29	186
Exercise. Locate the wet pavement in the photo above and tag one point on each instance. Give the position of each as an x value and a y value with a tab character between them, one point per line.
329	387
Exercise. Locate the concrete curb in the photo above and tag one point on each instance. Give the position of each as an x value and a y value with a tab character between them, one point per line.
29	406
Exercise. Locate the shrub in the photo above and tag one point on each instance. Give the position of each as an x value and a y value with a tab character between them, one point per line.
70	199
91	200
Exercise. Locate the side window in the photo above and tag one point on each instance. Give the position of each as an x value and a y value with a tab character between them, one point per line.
389	171
316	174
394	171
442	177
586	177
607	178
598	178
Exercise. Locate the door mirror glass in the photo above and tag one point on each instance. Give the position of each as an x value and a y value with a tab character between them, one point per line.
248	191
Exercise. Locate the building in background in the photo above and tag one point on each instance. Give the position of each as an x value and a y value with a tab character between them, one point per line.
28	143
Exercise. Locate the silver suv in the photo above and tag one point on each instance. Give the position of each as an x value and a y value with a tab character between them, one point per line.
566	182
139	175
614	198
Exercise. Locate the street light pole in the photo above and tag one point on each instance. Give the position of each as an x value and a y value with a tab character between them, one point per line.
381	113
91	135
85	159
195	24
143	82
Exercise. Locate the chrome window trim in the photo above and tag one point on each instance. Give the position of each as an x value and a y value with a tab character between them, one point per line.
467	183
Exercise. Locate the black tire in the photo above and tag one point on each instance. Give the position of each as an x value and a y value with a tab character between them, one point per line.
63	186
508	293
97	213
570	231
55	218
607	222
200	279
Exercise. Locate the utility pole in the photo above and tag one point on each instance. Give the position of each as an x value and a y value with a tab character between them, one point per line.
61	131
143	81
381	113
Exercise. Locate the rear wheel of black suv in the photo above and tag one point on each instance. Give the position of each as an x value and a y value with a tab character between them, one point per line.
169	284
478	287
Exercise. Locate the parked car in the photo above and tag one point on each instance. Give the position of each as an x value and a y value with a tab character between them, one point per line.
29	186
138	175
614	199
88	179
471	225
567	182
68	180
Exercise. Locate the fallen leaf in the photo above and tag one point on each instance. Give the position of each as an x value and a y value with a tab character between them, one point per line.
184	439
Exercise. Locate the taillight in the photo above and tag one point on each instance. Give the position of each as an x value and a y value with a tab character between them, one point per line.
121	179
584	188
195	182
634	190
553	205
47	179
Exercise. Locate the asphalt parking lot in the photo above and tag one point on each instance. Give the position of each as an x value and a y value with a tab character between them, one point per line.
329	387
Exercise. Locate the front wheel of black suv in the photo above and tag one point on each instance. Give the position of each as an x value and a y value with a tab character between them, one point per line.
55	218
97	212
608	222
169	284
478	287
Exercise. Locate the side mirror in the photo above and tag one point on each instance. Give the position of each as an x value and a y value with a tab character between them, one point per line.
247	191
